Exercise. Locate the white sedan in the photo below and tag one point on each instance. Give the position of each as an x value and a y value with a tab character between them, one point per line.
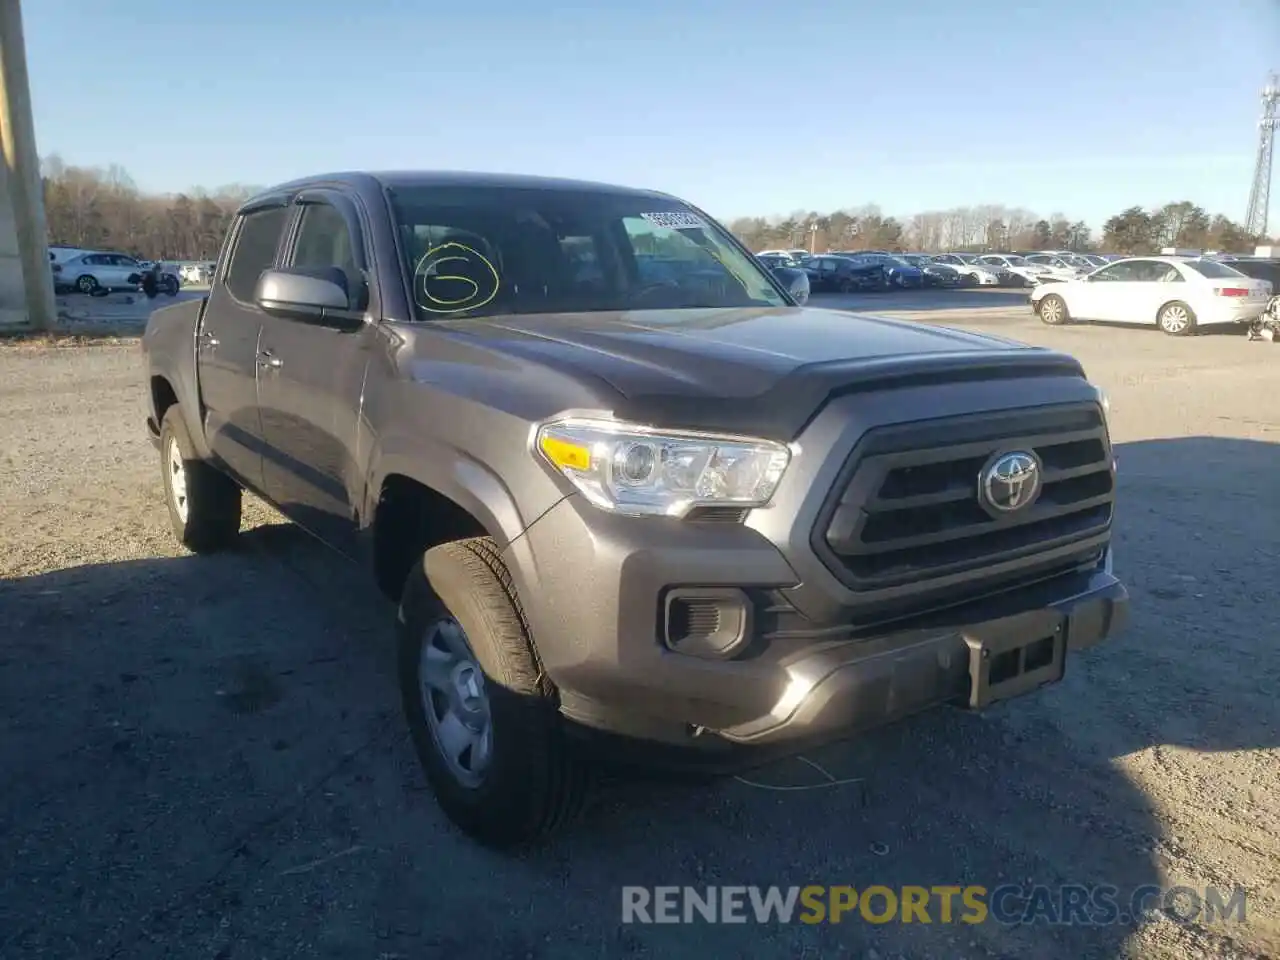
1178	294
1061	266
1030	273
968	265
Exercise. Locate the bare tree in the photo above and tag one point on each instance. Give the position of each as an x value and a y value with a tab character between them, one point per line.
104	209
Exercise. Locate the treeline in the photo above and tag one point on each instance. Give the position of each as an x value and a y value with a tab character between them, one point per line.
103	209
994	227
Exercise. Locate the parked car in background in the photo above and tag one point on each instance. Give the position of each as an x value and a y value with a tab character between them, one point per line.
843	274
773	259
898	271
789	273
1060	268
1018	269
1177	294
972	271
798	255
935	274
1259	268
98	272
61	253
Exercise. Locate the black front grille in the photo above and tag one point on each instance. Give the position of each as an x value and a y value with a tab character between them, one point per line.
907	507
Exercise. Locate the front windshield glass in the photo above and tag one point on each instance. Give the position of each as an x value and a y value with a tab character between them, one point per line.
485	251
1016	261
968	257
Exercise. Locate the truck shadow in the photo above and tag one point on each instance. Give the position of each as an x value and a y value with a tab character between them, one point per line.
208	752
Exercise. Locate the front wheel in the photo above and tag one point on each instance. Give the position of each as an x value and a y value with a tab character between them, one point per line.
480	711
1053	310
1177	319
170	286
204	504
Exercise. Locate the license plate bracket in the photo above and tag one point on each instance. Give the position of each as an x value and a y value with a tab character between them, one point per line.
1012	657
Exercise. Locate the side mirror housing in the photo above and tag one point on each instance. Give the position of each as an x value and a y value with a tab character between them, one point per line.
309	295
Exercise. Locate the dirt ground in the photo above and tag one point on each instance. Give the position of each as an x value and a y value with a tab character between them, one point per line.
203	757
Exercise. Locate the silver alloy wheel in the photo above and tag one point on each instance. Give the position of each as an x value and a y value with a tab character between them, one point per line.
1051	311
1174	318
177	479
454	701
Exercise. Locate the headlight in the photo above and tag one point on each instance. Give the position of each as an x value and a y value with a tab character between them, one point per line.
640	471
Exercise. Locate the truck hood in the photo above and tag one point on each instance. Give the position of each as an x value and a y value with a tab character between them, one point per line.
698	365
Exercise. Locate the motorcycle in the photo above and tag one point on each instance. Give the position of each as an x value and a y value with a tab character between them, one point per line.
1267	326
154	282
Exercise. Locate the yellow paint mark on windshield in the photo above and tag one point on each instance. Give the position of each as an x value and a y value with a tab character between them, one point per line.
480	274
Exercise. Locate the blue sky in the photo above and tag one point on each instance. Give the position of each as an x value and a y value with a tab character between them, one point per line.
743	107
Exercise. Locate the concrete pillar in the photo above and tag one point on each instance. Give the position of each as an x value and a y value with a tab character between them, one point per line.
26	283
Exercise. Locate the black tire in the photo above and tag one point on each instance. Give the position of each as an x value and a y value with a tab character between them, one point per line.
170	286
1057	315
210	519
87	284
1177	319
535	783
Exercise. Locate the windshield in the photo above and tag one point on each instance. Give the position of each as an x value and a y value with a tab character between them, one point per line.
969	258
1214	270
484	251
1017	261
898	261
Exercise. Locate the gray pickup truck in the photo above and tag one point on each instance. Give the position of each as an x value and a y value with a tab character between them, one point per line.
634	503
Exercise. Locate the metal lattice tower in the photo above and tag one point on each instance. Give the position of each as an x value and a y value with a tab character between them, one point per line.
1255	220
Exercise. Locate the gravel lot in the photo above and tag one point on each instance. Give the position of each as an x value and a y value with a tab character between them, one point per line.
203	757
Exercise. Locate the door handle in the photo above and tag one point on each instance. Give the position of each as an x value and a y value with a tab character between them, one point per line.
207	339
269	361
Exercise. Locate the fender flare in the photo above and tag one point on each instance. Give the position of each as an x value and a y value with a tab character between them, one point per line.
453	474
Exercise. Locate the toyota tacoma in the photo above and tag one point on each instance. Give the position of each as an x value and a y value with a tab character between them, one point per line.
623	489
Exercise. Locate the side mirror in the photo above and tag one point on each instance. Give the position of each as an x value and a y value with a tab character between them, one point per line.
310	295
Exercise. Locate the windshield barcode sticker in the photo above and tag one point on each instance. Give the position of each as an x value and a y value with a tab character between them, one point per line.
674	219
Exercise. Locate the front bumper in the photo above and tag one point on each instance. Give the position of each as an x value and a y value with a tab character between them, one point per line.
594	587
831	693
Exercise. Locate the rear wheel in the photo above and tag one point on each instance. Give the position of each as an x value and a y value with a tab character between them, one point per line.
87	284
1053	310
480	710
170	286
204	504
1177	319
